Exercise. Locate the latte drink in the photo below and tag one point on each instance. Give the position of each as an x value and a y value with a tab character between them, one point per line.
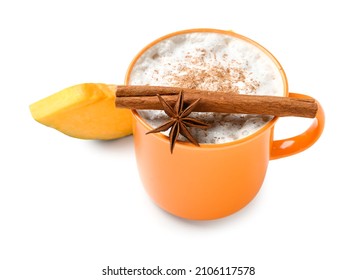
215	62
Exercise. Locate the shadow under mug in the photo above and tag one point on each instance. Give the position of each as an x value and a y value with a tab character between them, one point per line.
214	180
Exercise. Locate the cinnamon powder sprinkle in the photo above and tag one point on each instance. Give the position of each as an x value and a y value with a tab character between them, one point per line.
206	72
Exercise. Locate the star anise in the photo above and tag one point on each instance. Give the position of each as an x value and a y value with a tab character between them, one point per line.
179	120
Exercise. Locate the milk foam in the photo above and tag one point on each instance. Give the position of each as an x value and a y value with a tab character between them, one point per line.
210	61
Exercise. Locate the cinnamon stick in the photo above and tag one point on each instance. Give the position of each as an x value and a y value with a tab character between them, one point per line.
145	97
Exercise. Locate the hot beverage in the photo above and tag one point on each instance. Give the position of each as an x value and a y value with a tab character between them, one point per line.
215	62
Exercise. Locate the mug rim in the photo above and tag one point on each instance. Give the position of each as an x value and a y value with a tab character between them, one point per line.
250	137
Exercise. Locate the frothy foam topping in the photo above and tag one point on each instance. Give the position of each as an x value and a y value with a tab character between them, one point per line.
210	61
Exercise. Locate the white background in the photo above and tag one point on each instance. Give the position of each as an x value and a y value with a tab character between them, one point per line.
70	207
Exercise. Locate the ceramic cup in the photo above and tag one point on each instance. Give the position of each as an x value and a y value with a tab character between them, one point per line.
214	180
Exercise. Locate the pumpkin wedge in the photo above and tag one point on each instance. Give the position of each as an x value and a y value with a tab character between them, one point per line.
85	111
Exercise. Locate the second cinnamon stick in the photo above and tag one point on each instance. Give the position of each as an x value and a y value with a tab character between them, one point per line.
144	97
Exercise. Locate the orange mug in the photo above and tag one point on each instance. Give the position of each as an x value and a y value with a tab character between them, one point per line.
214	180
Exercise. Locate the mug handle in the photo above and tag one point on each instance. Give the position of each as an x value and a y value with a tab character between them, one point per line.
290	146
